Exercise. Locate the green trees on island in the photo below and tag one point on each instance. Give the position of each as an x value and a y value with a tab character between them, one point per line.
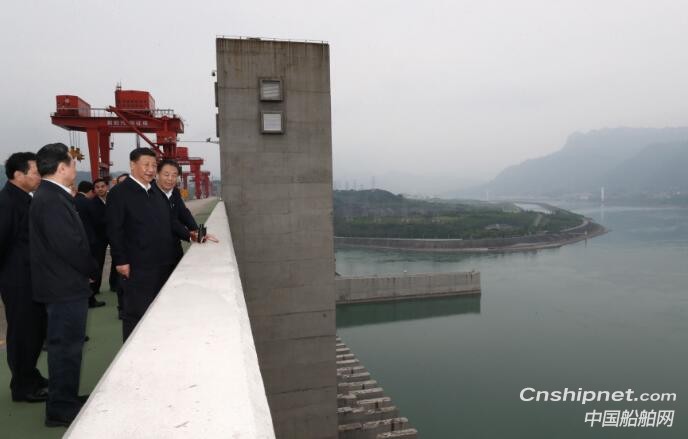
381	214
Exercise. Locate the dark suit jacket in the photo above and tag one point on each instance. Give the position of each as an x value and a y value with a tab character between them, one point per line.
139	226
97	211
182	220
181	212
61	261
14	237
83	206
92	213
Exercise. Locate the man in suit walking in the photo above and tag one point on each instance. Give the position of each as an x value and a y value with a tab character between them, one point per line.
61	266
84	201
26	319
142	243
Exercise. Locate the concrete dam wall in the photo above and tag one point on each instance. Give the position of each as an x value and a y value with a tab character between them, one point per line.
355	289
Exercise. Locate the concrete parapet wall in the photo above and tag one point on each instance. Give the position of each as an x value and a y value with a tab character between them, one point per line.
353	289
190	367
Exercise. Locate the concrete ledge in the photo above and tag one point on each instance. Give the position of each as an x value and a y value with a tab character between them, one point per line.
355	289
190	367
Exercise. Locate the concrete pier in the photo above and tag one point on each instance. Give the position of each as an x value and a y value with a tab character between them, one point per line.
359	289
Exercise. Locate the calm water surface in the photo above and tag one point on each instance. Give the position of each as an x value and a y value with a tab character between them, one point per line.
609	314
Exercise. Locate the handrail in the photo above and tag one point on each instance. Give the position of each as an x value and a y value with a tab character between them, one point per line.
190	368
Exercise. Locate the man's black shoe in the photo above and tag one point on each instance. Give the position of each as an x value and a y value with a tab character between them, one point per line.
39	395
57	422
87	338
95	303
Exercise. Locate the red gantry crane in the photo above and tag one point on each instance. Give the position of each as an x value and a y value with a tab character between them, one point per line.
134	112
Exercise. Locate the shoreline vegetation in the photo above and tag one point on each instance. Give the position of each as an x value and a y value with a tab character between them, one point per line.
382	220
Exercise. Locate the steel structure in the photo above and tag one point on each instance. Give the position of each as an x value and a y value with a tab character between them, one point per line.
134	112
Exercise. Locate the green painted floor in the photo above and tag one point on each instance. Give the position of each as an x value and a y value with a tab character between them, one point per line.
24	420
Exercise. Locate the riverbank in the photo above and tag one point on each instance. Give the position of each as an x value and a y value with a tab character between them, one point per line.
586	230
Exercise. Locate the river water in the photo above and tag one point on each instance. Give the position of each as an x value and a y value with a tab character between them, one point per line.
604	315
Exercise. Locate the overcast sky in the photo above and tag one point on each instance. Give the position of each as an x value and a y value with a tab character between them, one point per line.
445	89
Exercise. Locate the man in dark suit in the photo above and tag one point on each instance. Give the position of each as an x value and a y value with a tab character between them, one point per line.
183	223
26	319
84	201
85	188
139	228
61	267
97	213
114	276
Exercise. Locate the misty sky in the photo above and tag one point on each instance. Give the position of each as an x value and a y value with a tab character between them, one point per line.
449	89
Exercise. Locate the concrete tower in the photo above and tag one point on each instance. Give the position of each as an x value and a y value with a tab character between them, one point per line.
274	126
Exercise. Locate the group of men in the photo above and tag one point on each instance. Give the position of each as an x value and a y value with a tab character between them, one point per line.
52	252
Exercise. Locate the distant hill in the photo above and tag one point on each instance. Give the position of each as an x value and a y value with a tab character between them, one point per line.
376	202
397	181
656	168
621	159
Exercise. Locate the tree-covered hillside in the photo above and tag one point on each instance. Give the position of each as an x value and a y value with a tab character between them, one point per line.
378	213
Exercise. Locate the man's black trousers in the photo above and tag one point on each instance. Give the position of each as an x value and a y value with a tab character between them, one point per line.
66	333
98	252
139	291
26	326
